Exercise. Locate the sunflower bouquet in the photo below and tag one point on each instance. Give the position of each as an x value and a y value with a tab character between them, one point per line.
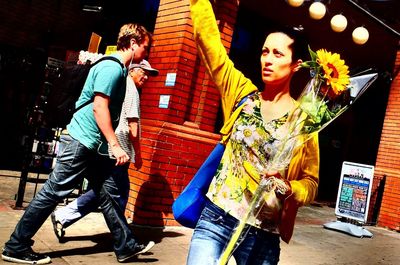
326	96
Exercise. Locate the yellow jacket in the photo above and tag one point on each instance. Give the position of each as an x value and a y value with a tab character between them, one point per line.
233	86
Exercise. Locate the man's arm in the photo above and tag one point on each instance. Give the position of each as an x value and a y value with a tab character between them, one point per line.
134	136
103	120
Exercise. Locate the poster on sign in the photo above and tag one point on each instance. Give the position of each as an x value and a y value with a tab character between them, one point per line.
354	191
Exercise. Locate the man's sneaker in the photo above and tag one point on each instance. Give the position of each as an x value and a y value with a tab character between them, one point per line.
26	257
139	249
58	228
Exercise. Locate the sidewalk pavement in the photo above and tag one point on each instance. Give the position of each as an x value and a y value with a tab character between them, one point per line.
89	241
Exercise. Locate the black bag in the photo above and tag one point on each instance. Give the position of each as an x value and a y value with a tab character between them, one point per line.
66	91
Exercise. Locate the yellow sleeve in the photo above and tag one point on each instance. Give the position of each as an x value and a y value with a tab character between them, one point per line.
230	82
303	172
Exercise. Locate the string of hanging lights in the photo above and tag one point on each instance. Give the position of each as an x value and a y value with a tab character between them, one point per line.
317	11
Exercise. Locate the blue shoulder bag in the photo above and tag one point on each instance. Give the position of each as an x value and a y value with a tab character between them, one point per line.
190	203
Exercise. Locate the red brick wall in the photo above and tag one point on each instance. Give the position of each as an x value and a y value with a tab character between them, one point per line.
193	97
175	140
173	52
171	155
388	160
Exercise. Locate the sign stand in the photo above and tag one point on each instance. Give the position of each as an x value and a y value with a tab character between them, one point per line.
354	230
353	199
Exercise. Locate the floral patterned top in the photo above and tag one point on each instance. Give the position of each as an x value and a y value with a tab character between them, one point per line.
255	141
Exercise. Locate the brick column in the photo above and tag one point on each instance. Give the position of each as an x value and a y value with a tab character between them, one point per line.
177	139
388	160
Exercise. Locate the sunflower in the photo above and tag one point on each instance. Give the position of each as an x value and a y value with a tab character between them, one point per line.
335	71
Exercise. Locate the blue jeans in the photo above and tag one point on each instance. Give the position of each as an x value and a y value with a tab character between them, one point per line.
213	232
74	162
117	185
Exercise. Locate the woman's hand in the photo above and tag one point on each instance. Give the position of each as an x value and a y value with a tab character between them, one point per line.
280	185
283	189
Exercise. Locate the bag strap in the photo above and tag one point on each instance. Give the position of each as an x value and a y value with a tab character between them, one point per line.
240	103
112	58
243	100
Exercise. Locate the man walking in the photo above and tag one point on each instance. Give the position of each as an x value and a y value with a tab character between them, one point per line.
79	156
128	135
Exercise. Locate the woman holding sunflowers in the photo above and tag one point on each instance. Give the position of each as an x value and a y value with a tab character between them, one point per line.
250	133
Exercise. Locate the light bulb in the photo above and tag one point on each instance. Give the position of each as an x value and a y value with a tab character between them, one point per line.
317	10
338	23
360	35
295	3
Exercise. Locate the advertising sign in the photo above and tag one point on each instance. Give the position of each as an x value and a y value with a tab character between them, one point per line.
94	43
164	101
111	49
354	191
170	79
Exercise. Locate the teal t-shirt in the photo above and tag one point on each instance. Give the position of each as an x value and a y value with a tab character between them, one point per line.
108	78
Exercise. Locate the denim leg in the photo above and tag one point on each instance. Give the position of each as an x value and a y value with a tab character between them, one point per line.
213	232
210	236
258	248
124	240
89	202
118	185
77	209
69	171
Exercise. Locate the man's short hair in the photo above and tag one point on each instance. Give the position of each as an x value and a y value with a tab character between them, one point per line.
132	31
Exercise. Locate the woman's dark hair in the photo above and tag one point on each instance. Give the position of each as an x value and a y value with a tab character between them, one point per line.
299	51
300	44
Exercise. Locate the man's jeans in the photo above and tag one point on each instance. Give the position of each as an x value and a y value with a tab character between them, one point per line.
74	162
118	187
213	232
